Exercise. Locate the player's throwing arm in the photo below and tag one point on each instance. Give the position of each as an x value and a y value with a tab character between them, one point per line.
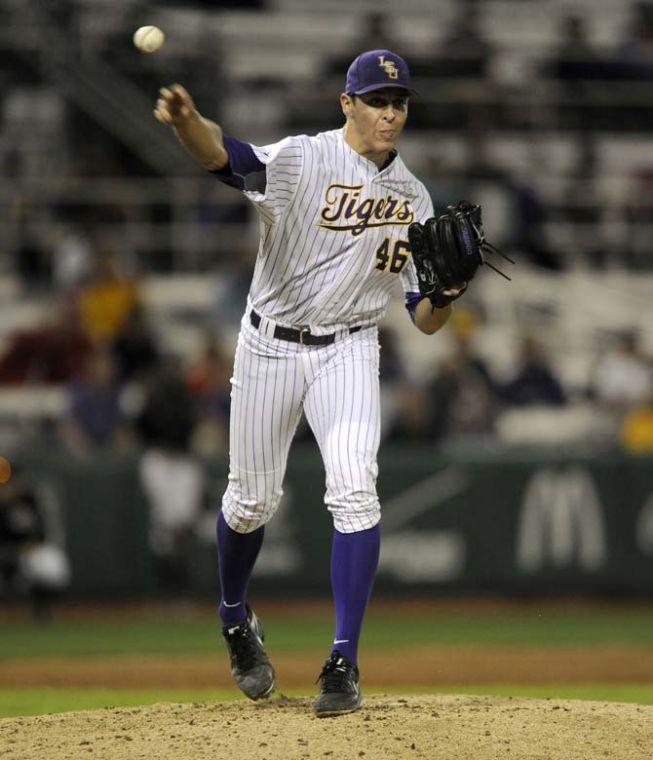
201	137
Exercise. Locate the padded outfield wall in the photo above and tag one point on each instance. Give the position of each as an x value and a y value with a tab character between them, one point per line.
492	523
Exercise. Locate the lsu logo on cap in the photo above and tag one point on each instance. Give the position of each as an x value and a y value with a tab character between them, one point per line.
389	67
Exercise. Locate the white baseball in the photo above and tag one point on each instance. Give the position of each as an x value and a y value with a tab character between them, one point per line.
148	39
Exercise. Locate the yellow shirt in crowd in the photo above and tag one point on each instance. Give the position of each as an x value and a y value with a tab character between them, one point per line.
106	306
637	430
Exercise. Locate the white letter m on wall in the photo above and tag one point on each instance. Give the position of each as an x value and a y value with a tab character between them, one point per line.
561	522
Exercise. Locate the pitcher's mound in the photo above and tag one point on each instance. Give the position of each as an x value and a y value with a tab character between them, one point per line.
433	727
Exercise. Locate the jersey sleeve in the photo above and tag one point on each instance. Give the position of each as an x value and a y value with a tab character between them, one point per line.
423	208
268	176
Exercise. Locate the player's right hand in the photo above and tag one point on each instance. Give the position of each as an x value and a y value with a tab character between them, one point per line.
174	105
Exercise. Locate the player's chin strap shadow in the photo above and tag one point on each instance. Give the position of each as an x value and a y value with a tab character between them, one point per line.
489	248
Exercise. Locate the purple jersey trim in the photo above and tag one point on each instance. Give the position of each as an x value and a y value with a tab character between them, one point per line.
244	171
411	300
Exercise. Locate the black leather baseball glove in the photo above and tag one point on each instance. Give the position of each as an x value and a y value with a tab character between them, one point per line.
448	251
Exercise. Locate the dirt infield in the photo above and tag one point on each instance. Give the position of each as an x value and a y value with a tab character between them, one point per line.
434	727
429	727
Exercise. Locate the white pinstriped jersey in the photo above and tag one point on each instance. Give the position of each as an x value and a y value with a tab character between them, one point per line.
334	242
334	232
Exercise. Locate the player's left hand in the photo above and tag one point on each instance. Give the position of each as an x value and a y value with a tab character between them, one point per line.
447	252
455	292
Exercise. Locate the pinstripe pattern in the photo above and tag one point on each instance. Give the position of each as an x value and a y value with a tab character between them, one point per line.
308	275
327	216
338	388
342	408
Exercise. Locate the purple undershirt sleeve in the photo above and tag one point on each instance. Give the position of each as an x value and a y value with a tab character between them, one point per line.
244	170
411	300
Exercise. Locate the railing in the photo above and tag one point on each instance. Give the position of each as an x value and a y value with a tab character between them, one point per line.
191	239
207	222
104	93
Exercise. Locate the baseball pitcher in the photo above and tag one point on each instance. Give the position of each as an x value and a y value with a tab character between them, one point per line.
342	221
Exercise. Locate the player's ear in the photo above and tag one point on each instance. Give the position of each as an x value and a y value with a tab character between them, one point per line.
346	103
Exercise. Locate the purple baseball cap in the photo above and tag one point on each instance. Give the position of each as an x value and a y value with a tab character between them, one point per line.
375	70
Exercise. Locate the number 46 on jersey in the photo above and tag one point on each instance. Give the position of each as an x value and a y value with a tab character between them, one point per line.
396	260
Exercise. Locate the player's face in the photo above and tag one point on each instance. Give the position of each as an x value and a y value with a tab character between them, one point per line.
377	118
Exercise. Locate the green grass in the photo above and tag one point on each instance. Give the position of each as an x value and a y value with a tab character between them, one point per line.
14	702
638	693
297	631
201	634
39	701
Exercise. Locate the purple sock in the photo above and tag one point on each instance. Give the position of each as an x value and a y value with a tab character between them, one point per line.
354	559
237	553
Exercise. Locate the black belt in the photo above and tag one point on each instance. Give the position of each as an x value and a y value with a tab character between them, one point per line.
299	336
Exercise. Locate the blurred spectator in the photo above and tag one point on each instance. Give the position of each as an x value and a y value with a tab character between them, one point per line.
444	181
638	218
462	396
31	559
534	381
622	376
174	485
32	264
135	347
107	300
209	382
31	259
635	54
486	182
71	258
514	205
582	205
529	235
411	422
578	66
396	412
94	420
203	63
464	51
574	57
169	412
391	369
173	480
577	60
637	428
213	4
53	352
374	34
232	286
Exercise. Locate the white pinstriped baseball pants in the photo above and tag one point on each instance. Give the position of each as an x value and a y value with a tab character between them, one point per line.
337	387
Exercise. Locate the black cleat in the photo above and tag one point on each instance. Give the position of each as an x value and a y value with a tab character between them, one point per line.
250	666
339	693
